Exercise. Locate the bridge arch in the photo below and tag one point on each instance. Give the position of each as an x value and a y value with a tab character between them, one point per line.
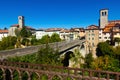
67	56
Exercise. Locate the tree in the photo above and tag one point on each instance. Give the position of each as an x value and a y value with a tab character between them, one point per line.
77	59
7	43
103	48
88	60
47	56
5	28
106	63
26	42
55	37
116	53
24	32
117	40
45	39
34	41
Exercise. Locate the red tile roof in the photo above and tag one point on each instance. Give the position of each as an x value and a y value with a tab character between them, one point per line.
15	25
111	24
3	31
53	29
28	27
92	27
65	31
114	21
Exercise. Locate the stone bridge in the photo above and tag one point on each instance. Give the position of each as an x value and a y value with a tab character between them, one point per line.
61	46
28	71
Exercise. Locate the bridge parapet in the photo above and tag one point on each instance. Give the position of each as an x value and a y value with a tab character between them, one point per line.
33	49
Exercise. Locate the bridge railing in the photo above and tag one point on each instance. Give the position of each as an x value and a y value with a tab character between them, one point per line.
62	71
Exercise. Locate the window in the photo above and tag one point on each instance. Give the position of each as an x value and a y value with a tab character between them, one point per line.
105	14
105	37
92	38
89	38
93	34
93	44
99	37
102	13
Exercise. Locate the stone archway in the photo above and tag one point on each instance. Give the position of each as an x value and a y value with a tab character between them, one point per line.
67	55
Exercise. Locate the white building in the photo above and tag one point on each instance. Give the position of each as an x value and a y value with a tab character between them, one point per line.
3	33
65	34
40	33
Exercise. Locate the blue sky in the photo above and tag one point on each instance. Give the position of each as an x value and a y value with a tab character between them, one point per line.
56	13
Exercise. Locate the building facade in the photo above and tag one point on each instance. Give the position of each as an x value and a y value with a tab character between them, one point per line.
3	33
42	32
20	25
92	39
106	31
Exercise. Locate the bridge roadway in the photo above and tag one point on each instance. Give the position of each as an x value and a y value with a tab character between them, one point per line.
20	68
61	46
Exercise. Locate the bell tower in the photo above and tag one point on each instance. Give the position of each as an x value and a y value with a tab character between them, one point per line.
103	18
21	21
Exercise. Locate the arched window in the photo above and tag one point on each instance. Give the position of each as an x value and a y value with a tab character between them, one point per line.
102	13
105	13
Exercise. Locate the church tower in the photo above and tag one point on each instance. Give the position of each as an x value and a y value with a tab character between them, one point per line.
21	21
103	18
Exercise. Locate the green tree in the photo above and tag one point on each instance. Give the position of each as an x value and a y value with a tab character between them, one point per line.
77	59
45	39
117	39
24	32
106	63
26	42
88	60
34	41
103	48
55	37
47	56
8	43
116	53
